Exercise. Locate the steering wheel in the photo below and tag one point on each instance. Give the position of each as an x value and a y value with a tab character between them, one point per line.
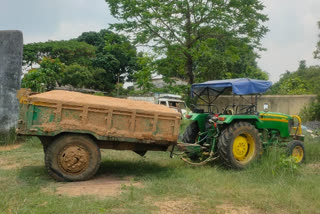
249	109
227	111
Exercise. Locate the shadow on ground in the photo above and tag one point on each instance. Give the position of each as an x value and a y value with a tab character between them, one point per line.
38	174
134	168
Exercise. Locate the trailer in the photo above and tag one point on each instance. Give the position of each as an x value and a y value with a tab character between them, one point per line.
73	127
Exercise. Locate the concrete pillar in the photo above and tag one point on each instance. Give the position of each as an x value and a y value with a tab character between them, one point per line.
11	45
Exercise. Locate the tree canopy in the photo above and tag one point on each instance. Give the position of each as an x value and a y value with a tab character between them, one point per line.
305	80
68	52
115	54
46	77
189	28
144	76
95	60
228	61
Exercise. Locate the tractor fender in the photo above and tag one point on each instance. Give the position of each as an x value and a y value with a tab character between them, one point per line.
234	118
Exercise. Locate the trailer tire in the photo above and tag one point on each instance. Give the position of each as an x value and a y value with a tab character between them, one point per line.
295	149
45	141
72	158
239	145
191	133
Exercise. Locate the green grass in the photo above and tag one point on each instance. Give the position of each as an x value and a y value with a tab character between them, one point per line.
7	138
269	186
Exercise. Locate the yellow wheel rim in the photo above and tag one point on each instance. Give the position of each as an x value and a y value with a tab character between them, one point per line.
297	153
243	148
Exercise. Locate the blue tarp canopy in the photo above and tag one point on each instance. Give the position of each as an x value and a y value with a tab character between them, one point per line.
242	86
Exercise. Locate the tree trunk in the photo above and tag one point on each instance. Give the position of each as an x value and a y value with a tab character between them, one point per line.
189	61
118	84
189	70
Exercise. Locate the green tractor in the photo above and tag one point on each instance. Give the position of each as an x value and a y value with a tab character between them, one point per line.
238	133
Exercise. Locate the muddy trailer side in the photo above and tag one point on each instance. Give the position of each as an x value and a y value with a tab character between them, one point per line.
73	127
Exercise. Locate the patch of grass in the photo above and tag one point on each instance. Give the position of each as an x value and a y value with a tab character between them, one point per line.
268	186
7	138
275	163
312	146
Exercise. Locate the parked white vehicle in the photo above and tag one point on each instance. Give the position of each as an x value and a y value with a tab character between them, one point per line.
170	100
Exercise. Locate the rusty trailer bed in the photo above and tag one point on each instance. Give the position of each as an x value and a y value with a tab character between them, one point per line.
108	119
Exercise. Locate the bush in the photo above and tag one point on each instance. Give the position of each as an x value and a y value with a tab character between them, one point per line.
311	112
312	147
275	162
9	137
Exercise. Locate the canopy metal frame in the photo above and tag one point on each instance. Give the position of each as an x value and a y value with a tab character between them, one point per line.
211	99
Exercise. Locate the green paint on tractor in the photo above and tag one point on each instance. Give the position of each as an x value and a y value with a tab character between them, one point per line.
239	132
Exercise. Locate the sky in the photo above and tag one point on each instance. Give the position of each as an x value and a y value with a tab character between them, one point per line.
292	23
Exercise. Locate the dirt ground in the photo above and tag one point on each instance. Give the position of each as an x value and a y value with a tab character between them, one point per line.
187	205
175	206
9	147
315	166
228	208
100	186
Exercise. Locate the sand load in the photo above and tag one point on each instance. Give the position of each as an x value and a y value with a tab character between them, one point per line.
107	118
76	98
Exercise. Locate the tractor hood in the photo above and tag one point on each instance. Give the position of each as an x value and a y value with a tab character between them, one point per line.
274	116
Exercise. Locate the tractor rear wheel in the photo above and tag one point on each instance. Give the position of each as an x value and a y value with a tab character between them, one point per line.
191	133
239	145
295	149
72	158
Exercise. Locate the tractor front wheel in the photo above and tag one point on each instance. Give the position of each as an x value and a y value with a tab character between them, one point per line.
239	145
295	149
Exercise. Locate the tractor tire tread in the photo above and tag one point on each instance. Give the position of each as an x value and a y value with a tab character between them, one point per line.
291	145
191	133
225	139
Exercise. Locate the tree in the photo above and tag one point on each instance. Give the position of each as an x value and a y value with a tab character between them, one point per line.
115	54
96	39
78	76
123	54
317	51
294	86
48	76
305	80
232	59
68	52
102	80
302	65
143	77
189	24
96	60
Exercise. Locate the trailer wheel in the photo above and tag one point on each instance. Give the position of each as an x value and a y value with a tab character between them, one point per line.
295	149
45	141
72	158
239	145
191	133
